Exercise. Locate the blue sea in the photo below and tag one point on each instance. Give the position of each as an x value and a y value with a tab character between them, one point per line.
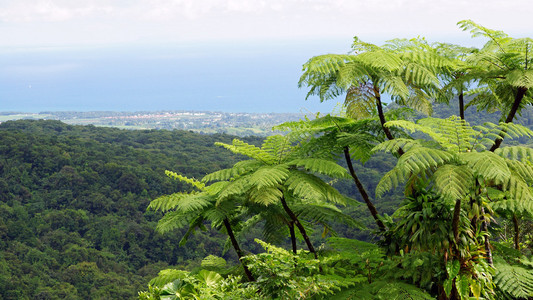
258	76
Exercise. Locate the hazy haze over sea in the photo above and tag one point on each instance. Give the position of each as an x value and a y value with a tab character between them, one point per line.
251	77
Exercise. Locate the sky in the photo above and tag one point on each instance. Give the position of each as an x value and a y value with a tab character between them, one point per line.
196	54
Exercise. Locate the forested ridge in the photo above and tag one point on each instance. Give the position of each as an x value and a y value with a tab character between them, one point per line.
73	220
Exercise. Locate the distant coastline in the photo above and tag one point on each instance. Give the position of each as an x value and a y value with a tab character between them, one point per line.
240	124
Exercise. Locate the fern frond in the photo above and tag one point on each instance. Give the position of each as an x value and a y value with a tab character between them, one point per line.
392	146
360	101
412	127
381	60
211	262
520	153
525	171
308	186
174	220
453	181
268	176
514	280
266	195
477	30
391	180
521	199
321	166
234	188
520	78
197	184
168	275
421	158
239	168
167	202
487	164
251	151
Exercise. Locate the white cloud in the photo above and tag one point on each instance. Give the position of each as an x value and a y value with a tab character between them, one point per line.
55	22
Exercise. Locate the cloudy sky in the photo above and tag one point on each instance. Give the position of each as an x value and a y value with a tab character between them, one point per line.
102	22
233	55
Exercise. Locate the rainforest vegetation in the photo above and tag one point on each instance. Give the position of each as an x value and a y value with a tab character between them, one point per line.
428	197
463	227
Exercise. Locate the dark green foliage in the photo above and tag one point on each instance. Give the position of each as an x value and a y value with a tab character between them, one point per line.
73	220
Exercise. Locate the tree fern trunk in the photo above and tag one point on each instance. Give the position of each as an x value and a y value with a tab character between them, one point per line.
485	228
455	221
461	105
382	119
516	233
362	191
240	254
301	228
518	100
293	236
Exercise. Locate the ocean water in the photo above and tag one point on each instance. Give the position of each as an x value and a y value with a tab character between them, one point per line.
231	77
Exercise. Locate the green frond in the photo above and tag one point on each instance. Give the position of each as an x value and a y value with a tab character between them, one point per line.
307	186
419	74
275	229
360	102
174	220
167	202
268	176
323	213
392	146
196	222
168	275
197	184
477	30
513	280
520	153
351	74
420	159
520	78
508	130
391	180
235	188
239	168
453	181
379	59
213	262
524	170
412	127
520	199
487	164
217	187
393	85
251	151
419	101
321	166
266	195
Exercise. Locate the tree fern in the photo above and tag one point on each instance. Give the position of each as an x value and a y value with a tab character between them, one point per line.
453	181
514	281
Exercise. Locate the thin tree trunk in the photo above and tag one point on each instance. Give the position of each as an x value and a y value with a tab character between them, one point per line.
518	99
294	218
240	254
382	120
362	191
293	236
455	221
516	233
461	105
484	227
